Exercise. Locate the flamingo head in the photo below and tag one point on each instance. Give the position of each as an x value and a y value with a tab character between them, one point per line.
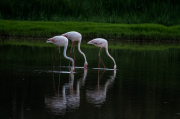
50	40
91	42
115	67
64	35
85	64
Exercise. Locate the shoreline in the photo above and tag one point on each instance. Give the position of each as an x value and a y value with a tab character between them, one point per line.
89	30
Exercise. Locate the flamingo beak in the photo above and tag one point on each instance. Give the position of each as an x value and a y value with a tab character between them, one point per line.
89	42
85	65
48	41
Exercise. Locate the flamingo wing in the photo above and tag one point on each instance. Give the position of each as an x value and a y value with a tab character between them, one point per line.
99	42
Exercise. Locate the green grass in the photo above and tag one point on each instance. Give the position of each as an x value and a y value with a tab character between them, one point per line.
111	44
89	30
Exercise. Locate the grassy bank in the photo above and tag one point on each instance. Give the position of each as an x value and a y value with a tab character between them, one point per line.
40	29
111	45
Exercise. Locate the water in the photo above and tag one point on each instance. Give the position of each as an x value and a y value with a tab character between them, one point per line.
144	86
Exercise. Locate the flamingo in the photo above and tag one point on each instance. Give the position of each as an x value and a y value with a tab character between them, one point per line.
75	36
100	42
61	41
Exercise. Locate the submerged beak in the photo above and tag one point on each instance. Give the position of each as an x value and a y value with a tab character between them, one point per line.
85	66
115	67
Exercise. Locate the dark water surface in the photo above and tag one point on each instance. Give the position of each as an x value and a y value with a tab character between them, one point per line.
146	84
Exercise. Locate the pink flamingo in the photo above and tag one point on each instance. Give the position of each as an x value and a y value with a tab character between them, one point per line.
61	41
100	42
75	36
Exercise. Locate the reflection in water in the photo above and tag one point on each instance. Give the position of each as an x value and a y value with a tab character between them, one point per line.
98	95
16	113
57	103
149	85
73	98
69	99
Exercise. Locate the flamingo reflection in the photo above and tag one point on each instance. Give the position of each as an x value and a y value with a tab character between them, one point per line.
73	96
69	99
98	95
57	102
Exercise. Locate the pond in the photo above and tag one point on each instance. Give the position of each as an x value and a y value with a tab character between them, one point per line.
144	86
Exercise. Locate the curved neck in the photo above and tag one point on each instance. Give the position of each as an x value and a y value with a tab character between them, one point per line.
79	43
110	56
64	53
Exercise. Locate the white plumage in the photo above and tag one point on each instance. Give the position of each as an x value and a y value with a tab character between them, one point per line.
75	36
100	42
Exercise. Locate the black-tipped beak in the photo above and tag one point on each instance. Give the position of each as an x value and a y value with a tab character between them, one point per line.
48	41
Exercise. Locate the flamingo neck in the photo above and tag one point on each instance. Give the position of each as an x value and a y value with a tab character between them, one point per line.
64	53
79	43
111	58
64	35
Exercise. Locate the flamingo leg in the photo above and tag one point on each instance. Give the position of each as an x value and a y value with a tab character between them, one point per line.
74	62
73	48
55	55
59	71
59	53
98	65
98	74
99	51
99	77
100	58
102	63
53	79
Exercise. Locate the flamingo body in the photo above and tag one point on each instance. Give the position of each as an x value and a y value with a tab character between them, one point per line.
75	36
100	42
58	40
61	41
